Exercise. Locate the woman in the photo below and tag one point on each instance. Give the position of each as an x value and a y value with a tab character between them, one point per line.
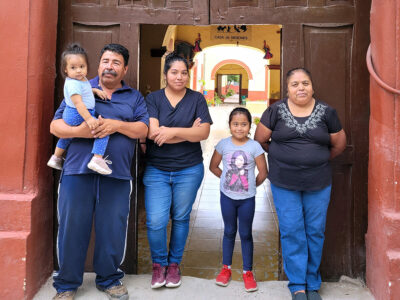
179	120
305	134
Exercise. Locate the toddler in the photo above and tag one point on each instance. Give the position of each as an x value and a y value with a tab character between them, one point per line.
79	108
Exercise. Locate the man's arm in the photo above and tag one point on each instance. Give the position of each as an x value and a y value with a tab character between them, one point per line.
62	130
134	130
137	129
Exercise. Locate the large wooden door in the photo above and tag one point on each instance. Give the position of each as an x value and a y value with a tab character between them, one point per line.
329	37
94	23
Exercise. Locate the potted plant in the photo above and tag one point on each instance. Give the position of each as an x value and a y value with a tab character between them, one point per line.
217	100
203	84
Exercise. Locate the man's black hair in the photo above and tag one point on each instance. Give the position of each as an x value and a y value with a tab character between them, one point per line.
117	48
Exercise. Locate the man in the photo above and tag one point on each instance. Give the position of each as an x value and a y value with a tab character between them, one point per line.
84	195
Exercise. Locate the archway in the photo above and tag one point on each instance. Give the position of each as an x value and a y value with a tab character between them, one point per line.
232	81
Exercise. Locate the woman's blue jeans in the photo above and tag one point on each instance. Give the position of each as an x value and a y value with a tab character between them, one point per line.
302	218
169	194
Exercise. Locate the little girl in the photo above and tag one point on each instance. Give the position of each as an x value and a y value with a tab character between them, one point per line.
239	155
80	103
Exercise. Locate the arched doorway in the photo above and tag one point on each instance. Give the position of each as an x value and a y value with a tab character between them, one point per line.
231	78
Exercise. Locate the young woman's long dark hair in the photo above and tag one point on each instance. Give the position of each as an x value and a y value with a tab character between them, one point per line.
171	58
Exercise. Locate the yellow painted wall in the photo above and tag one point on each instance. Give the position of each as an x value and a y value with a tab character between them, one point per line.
256	36
275	84
259	33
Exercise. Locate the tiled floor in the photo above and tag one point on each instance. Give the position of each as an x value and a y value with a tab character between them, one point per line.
203	253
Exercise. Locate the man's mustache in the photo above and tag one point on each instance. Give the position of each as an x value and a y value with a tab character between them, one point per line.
111	72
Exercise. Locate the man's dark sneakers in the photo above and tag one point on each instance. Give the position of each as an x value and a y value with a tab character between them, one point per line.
67	295
313	295
299	296
115	292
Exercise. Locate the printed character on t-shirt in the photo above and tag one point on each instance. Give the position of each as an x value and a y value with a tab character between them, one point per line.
237	177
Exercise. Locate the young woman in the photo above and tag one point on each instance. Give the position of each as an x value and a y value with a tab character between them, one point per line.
239	155
179	120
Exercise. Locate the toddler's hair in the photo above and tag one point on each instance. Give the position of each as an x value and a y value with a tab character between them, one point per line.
72	49
238	111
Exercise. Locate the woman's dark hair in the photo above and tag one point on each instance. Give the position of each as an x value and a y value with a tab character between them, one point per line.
117	48
240	110
298	69
72	49
171	58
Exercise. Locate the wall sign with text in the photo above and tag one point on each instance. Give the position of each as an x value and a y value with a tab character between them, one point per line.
231	33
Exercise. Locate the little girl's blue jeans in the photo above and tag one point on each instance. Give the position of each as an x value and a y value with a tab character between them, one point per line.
73	118
302	218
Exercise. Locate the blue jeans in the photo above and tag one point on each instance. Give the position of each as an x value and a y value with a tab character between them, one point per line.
232	210
169	194
302	218
73	118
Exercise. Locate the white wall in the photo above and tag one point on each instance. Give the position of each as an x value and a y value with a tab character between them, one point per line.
252	57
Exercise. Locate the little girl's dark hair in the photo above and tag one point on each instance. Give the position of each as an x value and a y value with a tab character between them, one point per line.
74	49
240	110
173	57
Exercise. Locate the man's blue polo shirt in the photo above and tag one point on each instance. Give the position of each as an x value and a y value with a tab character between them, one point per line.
126	104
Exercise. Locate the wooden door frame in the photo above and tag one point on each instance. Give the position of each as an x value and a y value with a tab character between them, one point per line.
128	15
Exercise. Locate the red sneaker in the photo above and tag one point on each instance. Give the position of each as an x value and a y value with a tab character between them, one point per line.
250	283
158	277
224	276
173	277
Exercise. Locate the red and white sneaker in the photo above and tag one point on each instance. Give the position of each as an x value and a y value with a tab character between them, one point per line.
250	283
158	277
173	277
224	276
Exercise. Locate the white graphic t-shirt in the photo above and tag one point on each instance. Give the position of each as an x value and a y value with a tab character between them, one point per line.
238	180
